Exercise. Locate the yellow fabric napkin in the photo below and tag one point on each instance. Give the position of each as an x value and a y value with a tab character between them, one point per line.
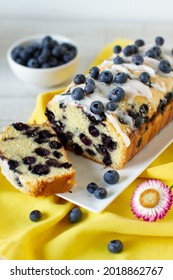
54	237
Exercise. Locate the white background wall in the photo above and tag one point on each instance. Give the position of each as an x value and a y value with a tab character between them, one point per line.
126	10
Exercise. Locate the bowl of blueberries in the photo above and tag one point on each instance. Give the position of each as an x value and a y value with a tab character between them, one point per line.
44	60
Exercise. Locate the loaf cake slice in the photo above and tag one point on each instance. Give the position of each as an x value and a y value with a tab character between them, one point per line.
33	159
110	114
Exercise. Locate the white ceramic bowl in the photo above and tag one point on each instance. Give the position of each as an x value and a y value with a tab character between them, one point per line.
43	77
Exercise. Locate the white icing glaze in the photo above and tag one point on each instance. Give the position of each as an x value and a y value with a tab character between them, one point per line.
115	123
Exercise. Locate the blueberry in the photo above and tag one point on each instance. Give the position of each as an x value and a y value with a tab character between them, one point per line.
46	51
137	59
121	78
165	66
16	52
89	88
68	56
78	93
43	59
159	41
20	61
13	164
151	53
100	193
55	145
157	50
93	131
118	60
112	106
117	49
138	122
77	149
42	152
84	139
106	77
94	72
134	49
128	50
143	109
53	62
33	63
39	169
139	43
97	107
115	246
90	81
52	162
144	77
20	126
111	177
91	187
44	134
75	215
56	51
29	160
35	215
24	55
117	94
45	65
57	154
79	79
47	41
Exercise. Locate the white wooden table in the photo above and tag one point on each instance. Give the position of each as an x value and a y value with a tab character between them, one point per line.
17	99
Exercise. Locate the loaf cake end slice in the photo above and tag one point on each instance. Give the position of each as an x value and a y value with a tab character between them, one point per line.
34	161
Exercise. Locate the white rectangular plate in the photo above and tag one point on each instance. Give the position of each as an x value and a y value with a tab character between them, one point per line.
88	171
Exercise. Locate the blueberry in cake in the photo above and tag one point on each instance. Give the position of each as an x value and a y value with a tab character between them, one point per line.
110	114
33	159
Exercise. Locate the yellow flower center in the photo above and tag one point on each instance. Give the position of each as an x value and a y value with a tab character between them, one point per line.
149	198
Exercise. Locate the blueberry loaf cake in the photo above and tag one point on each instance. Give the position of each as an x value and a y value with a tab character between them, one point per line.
111	113
33	159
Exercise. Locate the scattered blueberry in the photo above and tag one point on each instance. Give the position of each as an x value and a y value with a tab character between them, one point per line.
137	59
165	66
91	187
35	215
117	94
159	41
75	215
106	77
144	77
79	79
97	107
100	193
112	106
121	78
111	177
118	60
139	43
115	246
94	72
117	49
151	53
84	139
78	93
55	145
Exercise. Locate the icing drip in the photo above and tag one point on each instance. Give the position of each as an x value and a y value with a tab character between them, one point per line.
115	123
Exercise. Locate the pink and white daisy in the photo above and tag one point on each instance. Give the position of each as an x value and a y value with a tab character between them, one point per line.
151	200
